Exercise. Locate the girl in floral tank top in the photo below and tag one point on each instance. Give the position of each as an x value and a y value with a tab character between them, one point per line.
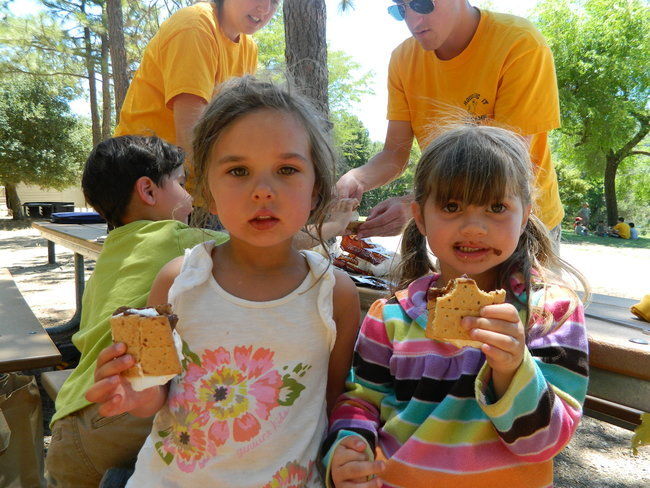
267	331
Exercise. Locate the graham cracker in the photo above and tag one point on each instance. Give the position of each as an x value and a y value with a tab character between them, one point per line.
149	340
447	306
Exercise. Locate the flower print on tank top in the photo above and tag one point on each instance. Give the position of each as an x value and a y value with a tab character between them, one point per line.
238	394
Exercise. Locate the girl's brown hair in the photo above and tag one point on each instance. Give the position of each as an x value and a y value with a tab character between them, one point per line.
242	96
481	165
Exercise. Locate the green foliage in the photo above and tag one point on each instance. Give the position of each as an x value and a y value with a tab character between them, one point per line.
270	48
633	190
397	187
570	237
576	189
641	434
601	49
347	83
352	140
601	52
41	142
40	45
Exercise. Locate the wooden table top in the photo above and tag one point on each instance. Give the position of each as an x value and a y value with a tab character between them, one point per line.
79	238
618	341
24	344
610	325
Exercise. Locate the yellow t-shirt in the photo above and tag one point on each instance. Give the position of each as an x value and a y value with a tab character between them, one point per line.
189	54
623	230
506	73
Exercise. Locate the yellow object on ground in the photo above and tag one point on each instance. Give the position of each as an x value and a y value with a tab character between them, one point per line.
641	433
642	309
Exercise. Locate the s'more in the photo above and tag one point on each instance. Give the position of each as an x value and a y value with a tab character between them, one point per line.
447	306
149	337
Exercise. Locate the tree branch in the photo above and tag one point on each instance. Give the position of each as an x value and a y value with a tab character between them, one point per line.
624	152
643	153
32	73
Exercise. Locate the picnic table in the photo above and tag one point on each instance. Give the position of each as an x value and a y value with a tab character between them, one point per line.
82	239
619	387
24	343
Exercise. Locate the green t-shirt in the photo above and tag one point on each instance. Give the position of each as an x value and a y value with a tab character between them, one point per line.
130	259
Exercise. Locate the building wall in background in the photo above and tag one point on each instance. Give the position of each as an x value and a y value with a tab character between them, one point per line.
35	194
28	193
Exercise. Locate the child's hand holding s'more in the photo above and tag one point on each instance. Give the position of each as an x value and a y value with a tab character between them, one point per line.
131	374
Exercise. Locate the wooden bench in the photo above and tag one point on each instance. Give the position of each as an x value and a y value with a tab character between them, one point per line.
52	381
619	362
24	344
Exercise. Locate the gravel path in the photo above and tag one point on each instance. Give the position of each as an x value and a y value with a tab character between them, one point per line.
598	456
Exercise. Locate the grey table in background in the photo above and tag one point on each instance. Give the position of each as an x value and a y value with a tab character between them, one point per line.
80	239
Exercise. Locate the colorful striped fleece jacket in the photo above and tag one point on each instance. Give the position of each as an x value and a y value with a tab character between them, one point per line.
427	407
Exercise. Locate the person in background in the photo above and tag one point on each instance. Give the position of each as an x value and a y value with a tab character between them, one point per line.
487	65
585	213
138	185
634	232
621	229
195	50
579	228
601	229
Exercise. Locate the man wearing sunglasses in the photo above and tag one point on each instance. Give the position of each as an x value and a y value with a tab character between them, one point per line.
461	61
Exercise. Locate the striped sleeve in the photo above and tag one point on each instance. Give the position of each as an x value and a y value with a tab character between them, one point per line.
357	410
541	409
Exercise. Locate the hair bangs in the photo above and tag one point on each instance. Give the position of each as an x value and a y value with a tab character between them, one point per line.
457	176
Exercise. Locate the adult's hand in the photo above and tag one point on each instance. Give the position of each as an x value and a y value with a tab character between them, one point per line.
387	218
349	186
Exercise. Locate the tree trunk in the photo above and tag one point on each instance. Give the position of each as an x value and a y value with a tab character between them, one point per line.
611	166
106	91
115	23
92	88
306	49
13	202
613	160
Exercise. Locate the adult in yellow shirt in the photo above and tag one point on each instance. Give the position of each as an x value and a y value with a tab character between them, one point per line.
194	51
621	229
462	60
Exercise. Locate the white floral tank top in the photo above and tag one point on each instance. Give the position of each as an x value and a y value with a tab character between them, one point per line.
248	409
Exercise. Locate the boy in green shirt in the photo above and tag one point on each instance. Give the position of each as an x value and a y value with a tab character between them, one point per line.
137	185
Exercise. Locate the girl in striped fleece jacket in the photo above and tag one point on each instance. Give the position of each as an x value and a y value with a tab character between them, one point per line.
422	413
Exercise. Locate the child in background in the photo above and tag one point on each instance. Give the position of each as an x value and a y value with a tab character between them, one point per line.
438	415
601	229
267	331
634	232
579	228
137	185
621	229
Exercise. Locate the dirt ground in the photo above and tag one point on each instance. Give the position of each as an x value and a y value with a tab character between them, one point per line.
599	455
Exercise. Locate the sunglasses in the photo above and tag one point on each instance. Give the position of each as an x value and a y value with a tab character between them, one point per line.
398	11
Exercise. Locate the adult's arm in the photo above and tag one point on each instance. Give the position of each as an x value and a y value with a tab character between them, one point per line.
383	167
187	110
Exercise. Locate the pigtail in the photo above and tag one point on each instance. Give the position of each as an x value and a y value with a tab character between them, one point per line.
535	252
415	257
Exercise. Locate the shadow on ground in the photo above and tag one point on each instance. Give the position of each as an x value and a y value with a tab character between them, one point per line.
584	462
